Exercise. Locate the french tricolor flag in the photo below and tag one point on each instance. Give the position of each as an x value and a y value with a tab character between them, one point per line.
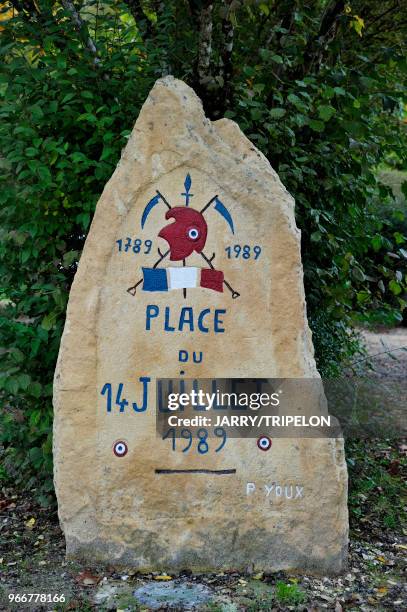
167	279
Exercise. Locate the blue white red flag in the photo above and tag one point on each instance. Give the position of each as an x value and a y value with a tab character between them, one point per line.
168	279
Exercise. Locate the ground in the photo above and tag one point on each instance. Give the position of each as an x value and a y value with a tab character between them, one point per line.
387	349
32	546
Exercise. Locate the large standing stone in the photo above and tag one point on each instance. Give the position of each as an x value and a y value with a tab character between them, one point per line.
116	507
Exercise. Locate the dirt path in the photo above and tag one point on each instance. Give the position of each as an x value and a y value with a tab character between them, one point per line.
388	351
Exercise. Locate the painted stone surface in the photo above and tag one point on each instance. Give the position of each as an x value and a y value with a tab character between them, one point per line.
192	264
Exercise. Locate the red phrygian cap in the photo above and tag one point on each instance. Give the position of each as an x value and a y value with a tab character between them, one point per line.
187	233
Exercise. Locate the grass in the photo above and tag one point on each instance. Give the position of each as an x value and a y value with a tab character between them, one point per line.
289	594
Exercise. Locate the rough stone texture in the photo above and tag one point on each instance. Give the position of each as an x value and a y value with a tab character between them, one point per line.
117	509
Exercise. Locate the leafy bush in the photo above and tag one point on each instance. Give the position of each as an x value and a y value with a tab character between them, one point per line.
317	86
64	121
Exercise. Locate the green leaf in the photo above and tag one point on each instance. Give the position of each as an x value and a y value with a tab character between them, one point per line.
17	355
357	23
48	321
298	103
317	126
79	157
255	113
358	274
316	236
35	389
24	381
363	297
339	91
31	152
67	98
325	112
258	88
44	174
277	59
395	287
70	257
277	113
377	242
36	456
12	385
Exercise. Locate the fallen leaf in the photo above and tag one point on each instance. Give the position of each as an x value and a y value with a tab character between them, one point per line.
338	607
74	604
163	577
6	503
325	597
87	579
402	546
381	591
258	576
30	523
381	559
394	467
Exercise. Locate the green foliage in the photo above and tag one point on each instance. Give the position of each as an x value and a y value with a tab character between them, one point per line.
326	155
317	87
64	121
336	345
376	484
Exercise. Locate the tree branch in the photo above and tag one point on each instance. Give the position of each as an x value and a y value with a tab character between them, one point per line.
81	27
379	17
333	10
205	43
226	53
28	7
144	25
328	26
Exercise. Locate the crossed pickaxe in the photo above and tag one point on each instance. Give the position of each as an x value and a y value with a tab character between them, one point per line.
218	206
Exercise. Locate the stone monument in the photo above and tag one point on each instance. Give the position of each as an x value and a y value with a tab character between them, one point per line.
191	268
